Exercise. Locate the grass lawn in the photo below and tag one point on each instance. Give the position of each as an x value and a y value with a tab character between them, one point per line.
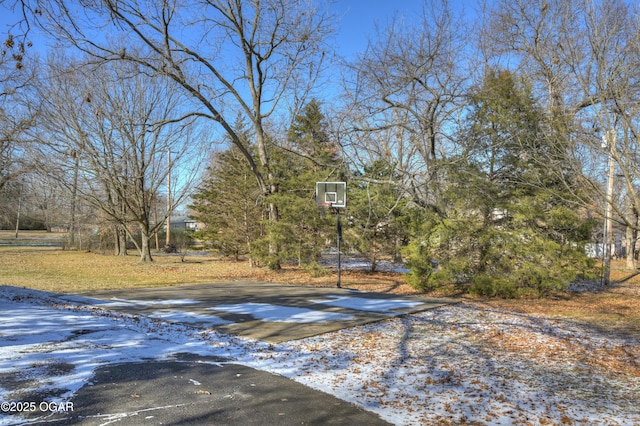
616	309
62	271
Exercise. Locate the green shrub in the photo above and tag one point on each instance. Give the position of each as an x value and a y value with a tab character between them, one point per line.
316	270
421	267
260	251
484	285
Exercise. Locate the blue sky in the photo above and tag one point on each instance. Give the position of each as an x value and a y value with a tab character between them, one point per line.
358	19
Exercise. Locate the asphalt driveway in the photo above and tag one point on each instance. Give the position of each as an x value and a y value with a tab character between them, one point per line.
199	391
185	388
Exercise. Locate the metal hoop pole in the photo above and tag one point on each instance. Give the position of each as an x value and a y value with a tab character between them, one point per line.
339	232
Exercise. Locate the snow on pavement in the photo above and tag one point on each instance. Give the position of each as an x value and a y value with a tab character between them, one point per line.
52	350
367	304
277	313
455	364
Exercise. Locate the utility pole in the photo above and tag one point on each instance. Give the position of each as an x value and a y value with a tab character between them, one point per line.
339	232
609	139
74	196
18	212
168	242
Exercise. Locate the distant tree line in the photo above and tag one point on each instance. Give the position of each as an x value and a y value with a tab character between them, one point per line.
483	147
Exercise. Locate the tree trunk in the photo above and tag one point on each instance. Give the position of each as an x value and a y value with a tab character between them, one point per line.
145	248
632	238
120	240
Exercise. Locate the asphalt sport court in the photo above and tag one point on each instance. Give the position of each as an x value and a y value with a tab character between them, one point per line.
268	312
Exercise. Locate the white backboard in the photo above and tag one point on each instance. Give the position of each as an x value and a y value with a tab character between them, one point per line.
331	194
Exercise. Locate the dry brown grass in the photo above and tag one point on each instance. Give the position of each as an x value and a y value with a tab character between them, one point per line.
72	271
29	235
616	309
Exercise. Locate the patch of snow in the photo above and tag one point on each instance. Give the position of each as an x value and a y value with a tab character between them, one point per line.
35	338
115	301
349	262
462	364
367	304
276	313
189	317
586	286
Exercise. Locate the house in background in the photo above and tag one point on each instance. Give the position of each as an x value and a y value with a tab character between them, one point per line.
186	223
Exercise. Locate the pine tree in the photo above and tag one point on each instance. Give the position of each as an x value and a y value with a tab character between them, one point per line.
308	156
311	141
229	203
377	213
506	226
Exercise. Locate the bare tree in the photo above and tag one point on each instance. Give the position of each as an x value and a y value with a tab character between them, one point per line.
16	114
608	77
119	124
229	57
404	94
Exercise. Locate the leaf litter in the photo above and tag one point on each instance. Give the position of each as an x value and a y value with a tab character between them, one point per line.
466	364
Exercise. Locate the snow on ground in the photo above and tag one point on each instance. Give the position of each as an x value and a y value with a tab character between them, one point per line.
51	350
115	301
350	262
453	365
462	364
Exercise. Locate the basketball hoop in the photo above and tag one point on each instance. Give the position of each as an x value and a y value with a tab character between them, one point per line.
331	194
334	195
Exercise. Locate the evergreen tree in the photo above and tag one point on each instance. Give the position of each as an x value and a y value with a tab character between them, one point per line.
229	203
311	140
377	213
505	226
307	157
